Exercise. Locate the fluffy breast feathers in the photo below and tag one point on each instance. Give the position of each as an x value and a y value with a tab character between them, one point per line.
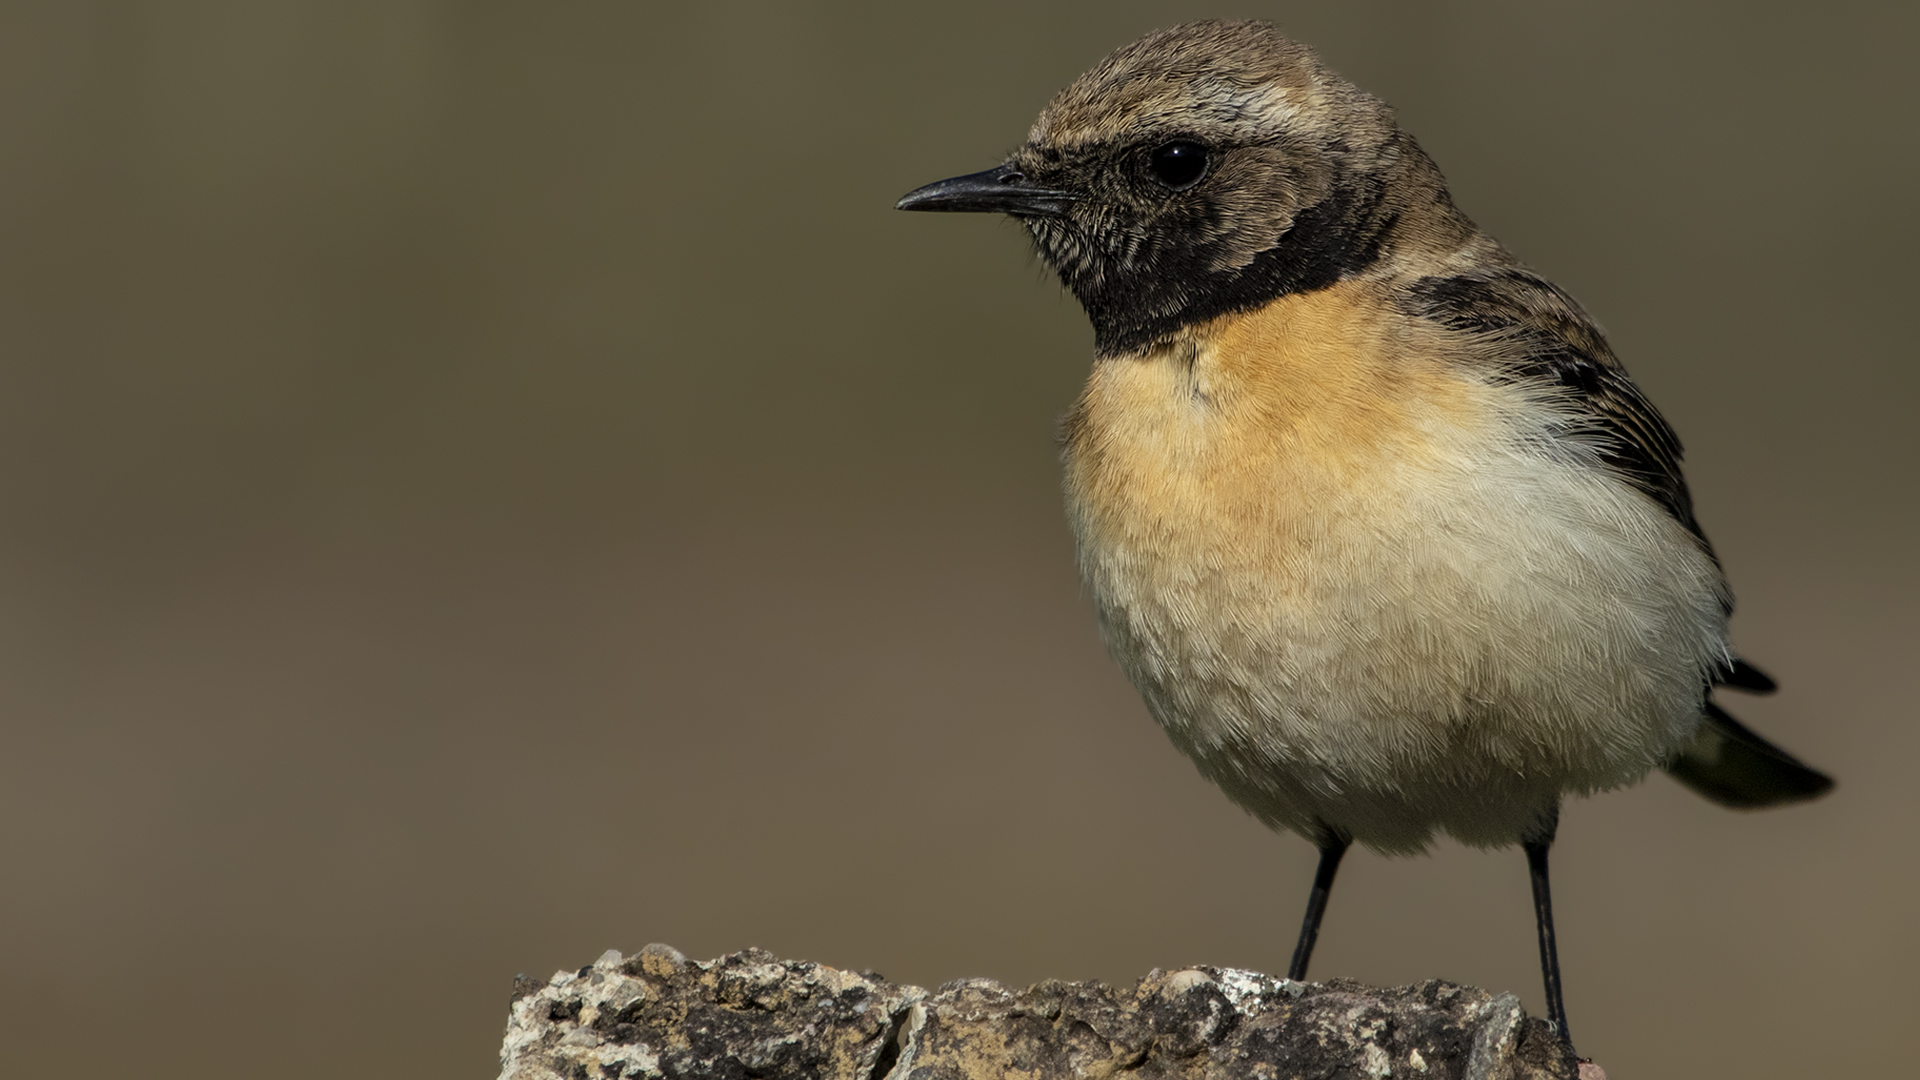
1372	581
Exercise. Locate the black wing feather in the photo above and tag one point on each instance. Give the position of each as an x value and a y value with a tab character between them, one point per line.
1559	345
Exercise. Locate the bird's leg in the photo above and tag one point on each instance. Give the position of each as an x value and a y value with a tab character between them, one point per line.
1332	846
1536	847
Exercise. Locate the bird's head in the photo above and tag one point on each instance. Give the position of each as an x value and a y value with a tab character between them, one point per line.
1201	170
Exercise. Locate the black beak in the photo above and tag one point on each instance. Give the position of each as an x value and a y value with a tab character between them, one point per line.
1000	191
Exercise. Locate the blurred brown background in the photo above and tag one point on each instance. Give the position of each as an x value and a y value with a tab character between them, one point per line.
484	483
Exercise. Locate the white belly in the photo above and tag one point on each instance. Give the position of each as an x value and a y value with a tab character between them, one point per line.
1390	623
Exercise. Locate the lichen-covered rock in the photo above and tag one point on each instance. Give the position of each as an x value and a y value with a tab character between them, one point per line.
658	1015
751	1014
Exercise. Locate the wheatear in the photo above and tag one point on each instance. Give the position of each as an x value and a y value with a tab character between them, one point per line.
1373	519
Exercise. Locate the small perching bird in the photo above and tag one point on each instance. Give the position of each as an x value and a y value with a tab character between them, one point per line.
1372	517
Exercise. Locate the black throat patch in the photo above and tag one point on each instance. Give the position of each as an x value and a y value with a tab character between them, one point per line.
1139	290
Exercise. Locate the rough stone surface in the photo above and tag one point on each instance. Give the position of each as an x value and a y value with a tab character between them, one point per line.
751	1014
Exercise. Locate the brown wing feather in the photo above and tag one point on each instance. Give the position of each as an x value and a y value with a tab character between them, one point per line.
1561	346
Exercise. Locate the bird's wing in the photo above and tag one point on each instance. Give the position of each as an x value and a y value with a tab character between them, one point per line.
1550	341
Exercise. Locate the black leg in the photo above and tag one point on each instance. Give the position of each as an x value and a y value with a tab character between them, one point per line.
1331	848
1536	848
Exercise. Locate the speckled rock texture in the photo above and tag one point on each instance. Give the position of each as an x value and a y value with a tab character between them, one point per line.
751	1014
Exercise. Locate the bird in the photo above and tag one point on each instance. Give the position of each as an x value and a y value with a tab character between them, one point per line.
1371	515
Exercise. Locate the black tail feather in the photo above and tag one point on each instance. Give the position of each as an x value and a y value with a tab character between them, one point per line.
1734	767
1744	676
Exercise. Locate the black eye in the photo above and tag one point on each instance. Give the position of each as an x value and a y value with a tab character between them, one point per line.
1179	164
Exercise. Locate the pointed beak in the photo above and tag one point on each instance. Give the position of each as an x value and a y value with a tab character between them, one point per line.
1002	190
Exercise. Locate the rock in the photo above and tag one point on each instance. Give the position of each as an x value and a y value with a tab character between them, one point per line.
751	1014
